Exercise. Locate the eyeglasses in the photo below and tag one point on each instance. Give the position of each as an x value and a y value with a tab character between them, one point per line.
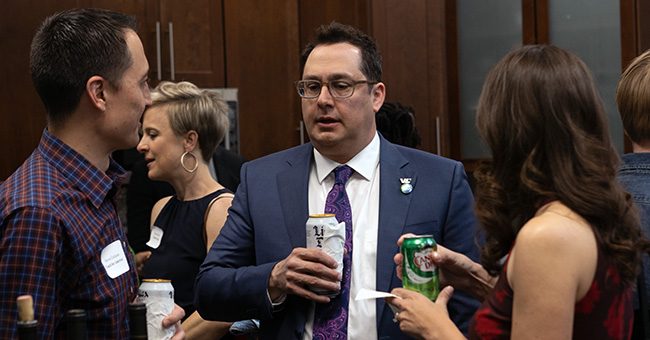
310	89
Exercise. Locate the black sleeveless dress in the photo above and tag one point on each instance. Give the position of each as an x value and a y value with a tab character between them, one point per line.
182	248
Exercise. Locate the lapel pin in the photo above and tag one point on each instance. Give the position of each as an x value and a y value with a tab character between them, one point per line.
406	186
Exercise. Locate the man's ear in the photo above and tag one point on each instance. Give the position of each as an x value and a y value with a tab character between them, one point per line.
96	91
378	96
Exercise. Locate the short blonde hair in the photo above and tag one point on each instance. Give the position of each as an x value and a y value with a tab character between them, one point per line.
191	108
633	98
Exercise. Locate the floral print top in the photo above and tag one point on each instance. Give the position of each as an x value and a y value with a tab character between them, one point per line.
605	312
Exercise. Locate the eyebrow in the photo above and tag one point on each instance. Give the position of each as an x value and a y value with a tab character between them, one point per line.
335	76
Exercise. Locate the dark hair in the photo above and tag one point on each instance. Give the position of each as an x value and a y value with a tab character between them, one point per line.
633	98
339	33
542	117
396	123
72	46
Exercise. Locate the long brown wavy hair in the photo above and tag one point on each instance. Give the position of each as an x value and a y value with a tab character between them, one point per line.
542	117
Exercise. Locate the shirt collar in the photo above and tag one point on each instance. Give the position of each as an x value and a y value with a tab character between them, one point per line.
79	171
364	163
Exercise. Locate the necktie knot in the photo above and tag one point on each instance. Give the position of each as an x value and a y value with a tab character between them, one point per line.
342	174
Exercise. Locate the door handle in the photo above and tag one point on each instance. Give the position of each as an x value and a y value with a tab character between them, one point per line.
171	50
158	60
438	147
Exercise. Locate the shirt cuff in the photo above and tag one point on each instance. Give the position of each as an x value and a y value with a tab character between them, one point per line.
279	304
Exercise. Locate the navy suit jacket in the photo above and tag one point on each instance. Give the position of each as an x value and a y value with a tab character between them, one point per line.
267	220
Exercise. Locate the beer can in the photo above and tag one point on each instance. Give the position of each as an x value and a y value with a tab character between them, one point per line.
158	296
325	232
418	271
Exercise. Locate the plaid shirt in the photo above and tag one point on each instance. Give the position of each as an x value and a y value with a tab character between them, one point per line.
56	216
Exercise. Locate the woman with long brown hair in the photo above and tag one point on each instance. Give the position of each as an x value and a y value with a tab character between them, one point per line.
560	232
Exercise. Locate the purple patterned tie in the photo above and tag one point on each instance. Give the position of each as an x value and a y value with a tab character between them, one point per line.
331	319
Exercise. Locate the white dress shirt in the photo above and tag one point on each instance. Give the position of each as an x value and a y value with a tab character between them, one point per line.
363	192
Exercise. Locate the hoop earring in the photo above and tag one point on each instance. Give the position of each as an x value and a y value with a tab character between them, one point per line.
196	162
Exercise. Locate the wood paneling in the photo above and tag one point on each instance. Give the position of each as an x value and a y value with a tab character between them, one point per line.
197	26
535	21
642	14
255	46
315	13
22	116
417	39
198	48
141	10
403	44
635	36
635	30
262	58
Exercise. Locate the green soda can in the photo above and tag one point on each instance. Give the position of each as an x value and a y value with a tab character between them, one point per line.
418	271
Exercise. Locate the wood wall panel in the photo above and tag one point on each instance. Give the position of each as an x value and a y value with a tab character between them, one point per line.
535	21
315	13
141	10
137	8
262	58
642	14
635	36
400	28
22	116
417	39
198	41
445	75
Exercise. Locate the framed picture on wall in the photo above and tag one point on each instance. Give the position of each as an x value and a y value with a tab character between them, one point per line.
231	140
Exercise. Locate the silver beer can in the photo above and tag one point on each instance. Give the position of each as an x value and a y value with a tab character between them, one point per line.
158	296
325	232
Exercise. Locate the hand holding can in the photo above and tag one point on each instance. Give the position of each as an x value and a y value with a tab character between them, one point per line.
325	232
158	295
418	271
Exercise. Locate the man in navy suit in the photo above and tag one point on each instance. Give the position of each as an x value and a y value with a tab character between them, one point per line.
259	267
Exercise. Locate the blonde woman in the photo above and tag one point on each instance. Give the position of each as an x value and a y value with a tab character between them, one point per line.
181	130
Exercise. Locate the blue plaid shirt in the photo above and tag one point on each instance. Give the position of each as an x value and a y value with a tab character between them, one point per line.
57	214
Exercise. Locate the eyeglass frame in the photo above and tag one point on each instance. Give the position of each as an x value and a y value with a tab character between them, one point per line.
353	85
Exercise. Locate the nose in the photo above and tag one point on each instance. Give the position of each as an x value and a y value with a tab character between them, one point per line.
325	97
142	147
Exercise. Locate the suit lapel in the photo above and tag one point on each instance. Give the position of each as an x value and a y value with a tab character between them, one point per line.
393	208
293	184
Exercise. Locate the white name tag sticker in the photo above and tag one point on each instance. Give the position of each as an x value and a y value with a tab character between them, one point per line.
114	259
155	237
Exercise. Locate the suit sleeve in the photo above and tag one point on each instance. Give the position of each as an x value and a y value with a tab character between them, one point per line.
459	234
230	286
